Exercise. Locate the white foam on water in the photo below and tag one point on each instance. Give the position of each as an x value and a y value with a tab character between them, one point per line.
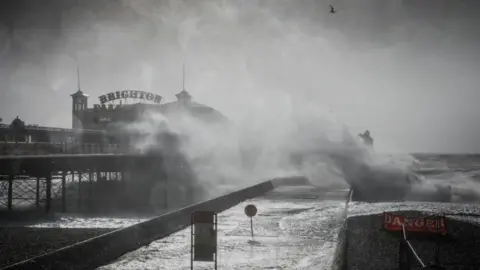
72	221
289	233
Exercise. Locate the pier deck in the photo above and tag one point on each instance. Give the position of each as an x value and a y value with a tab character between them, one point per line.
37	179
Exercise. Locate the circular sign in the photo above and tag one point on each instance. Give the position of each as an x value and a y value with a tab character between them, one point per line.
250	210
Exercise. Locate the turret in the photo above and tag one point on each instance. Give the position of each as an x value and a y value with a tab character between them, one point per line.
183	97
79	105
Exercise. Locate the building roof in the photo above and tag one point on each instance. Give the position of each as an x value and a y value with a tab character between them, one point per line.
194	108
183	95
79	93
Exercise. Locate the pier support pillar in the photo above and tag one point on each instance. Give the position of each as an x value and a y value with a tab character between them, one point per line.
11	177
79	190
90	186
64	193
37	193
48	204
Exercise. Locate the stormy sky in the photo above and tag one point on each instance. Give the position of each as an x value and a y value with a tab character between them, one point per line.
406	70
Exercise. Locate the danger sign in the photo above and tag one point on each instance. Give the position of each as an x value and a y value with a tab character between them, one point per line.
431	224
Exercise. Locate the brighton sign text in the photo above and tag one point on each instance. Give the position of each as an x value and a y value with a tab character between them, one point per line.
130	94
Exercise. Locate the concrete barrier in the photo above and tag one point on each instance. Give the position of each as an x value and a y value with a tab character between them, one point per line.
339	261
291	181
372	248
362	243
103	249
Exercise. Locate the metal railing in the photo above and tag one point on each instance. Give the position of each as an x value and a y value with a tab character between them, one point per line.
42	128
60	148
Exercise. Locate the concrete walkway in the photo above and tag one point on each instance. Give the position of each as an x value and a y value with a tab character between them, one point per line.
295	228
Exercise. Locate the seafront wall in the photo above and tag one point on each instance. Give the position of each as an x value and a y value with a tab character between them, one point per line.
369	247
339	261
363	244
103	249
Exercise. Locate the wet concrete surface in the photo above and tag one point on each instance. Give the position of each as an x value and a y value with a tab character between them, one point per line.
295	228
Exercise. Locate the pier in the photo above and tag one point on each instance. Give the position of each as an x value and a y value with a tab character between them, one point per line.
94	170
36	181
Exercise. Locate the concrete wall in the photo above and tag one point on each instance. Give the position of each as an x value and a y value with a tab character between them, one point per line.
339	261
101	250
369	247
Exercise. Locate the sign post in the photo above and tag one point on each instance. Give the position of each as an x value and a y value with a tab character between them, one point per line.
251	211
204	237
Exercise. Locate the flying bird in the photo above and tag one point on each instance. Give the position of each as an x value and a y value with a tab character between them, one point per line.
332	9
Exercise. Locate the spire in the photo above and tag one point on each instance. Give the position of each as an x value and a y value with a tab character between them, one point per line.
78	78
183	80
183	95
79	92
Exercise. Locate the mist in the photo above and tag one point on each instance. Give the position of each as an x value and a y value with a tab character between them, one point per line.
373	63
228	156
261	147
290	76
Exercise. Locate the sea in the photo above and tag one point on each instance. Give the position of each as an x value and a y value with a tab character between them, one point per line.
461	171
297	227
290	218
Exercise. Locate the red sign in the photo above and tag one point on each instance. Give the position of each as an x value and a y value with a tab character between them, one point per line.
432	224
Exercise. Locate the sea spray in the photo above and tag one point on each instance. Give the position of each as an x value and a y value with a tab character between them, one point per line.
224	156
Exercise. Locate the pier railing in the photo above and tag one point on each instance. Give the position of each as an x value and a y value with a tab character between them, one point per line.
21	148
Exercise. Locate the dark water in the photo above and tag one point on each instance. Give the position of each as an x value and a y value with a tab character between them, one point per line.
461	172
448	166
